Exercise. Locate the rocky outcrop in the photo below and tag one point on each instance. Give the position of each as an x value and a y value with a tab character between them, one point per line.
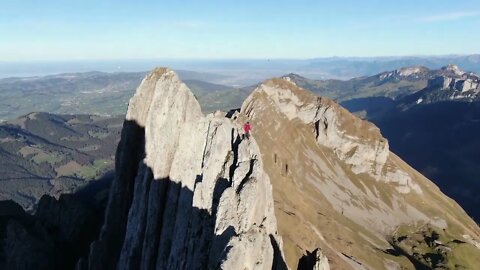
452	70
314	260
188	192
414	72
441	82
355	141
336	185
452	78
447	84
466	85
455	84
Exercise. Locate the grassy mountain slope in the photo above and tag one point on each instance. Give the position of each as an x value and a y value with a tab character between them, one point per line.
322	200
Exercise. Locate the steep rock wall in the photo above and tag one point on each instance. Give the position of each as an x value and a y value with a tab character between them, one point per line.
336	185
188	192
354	141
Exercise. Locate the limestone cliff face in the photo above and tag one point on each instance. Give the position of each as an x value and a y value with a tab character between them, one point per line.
462	84
356	142
188	192
337	186
451	84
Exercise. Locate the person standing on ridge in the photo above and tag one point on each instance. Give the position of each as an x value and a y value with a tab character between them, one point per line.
246	129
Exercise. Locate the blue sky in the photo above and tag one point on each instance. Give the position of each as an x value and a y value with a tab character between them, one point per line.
202	29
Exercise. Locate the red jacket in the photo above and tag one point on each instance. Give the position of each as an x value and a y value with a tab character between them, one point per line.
247	128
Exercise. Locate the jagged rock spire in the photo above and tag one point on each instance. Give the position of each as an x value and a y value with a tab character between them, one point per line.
188	192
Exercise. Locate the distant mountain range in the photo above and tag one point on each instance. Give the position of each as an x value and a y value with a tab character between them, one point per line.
389	84
393	84
364	66
101	93
107	93
241	73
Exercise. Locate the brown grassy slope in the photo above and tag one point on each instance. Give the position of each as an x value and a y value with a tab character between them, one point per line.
320	202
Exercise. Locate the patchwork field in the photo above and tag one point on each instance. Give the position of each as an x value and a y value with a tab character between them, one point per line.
43	153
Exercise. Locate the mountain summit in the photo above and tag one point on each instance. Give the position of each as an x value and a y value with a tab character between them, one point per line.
337	187
188	192
314	187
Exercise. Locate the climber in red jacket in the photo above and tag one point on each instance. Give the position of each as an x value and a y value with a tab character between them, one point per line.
246	129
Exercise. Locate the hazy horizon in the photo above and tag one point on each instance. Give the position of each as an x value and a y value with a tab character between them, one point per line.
245	72
239	58
85	30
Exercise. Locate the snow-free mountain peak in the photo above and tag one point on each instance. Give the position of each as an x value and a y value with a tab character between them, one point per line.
453	69
188	193
357	142
336	185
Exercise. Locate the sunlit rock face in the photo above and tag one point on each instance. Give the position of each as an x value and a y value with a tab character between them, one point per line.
188	192
356	142
336	185
451	84
314	184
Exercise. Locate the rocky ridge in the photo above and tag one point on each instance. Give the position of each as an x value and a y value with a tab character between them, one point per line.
336	185
455	79
395	84
415	72
188	192
391	84
336	129
451	84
